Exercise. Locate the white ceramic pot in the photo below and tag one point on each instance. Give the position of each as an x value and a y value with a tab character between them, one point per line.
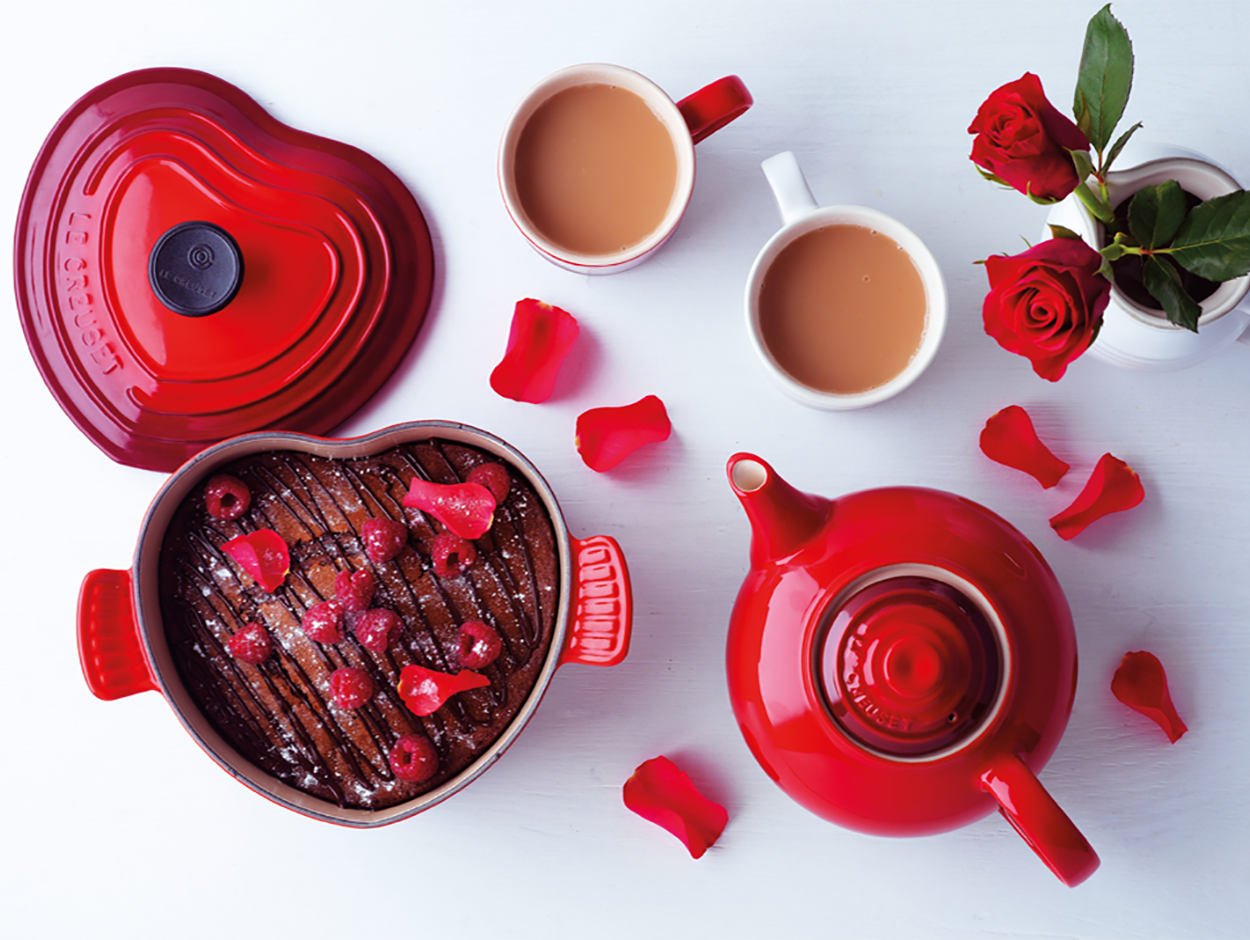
1135	337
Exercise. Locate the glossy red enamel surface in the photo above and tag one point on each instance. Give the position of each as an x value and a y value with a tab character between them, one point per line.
880	701
337	269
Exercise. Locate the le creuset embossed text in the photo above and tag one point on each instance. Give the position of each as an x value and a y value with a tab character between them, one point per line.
902	661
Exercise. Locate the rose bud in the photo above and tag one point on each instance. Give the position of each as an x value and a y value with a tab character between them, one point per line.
1023	141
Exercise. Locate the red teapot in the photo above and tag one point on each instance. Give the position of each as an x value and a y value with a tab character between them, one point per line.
902	661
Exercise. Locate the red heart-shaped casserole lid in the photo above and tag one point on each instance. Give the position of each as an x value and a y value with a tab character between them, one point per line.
188	269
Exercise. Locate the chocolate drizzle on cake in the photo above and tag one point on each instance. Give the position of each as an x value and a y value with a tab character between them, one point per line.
280	714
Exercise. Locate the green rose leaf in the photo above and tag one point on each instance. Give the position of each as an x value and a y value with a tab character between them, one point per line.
1214	241
1119	145
1164	283
1155	213
1104	79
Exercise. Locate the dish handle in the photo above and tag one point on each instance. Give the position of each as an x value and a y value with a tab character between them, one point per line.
603	608
108	637
1035	815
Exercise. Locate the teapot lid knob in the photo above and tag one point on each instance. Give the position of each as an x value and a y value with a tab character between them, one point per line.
910	665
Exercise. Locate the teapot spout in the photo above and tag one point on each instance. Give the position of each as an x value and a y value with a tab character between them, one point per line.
783	519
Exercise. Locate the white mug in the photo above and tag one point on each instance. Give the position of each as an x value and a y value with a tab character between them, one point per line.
802	215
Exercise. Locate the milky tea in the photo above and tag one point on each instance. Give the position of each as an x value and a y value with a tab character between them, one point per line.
842	309
595	169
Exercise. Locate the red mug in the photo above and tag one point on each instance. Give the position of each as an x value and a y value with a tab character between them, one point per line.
597	165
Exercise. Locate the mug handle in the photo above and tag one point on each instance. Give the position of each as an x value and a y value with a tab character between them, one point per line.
715	105
603	605
108	637
789	186
1034	814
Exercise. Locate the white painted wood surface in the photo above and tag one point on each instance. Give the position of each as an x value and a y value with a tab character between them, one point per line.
114	824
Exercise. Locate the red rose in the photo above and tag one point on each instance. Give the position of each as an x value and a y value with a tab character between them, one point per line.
1024	141
1047	303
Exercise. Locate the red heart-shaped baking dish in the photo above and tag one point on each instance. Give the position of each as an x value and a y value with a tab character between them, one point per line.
276	725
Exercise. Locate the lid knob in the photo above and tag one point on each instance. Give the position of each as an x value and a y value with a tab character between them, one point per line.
913	667
195	269
909	665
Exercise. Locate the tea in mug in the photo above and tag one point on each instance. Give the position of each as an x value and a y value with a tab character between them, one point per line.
595	169
843	309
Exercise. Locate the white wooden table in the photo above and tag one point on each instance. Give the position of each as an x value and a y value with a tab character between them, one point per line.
115	824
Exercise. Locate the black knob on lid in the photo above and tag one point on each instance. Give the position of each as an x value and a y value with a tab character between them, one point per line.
195	269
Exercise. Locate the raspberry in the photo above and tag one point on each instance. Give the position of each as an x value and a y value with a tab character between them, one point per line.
413	758
354	590
375	629
480	645
493	476
452	555
250	645
323	622
351	687
226	497
384	539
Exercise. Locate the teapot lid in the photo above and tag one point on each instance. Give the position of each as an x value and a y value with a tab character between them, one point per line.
189	269
911	664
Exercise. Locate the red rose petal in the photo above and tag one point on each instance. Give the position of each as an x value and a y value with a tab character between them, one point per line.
1113	487
540	338
1009	439
1142	685
263	554
424	691
660	792
467	509
606	436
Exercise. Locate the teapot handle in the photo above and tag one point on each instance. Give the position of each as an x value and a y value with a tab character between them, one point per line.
1034	814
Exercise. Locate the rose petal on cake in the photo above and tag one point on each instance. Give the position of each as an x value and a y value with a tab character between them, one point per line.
467	509
1009	438
1114	486
1142	684
540	338
662	793
606	436
424	691
263	554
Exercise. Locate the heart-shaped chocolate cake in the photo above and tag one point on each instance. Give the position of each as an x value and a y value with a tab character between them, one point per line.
352	646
